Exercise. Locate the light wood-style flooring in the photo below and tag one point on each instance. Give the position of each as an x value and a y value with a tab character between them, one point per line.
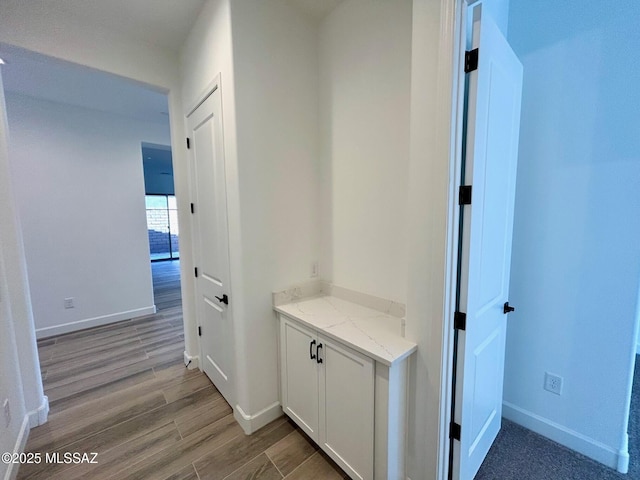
122	391
166	284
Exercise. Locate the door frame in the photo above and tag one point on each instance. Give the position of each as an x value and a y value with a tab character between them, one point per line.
451	109
454	40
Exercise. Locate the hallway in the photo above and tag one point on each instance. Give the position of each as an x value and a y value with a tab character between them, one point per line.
123	392
166	284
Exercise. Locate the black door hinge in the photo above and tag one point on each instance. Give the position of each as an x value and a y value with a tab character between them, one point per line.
188	143
460	321
454	430
192	208
471	60
195	270
199	331
464	195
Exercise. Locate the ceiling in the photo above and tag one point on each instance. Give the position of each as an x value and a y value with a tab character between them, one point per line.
160	155
316	9
163	23
44	77
156	161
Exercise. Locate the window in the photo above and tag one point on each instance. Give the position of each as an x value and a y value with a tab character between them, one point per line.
162	226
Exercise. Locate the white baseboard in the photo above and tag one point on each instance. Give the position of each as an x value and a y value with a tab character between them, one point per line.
617	459
93	322
191	361
40	415
253	423
21	442
623	456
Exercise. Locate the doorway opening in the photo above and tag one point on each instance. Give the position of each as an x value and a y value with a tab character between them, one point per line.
162	227
160	202
571	258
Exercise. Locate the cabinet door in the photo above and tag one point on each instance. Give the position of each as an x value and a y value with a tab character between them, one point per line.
299	375
346	407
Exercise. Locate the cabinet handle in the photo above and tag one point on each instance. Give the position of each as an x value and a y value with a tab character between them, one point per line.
311	354
318	353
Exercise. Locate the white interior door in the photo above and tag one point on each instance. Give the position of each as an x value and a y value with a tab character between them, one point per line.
493	122
211	244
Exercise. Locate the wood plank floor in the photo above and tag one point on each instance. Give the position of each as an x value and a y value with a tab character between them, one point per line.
122	391
166	284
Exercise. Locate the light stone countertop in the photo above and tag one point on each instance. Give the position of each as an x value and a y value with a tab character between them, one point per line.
368	331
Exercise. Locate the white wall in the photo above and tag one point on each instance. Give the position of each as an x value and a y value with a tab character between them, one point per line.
276	79
431	195
268	75
576	263
11	387
20	381
63	36
80	193
365	72
205	54
54	32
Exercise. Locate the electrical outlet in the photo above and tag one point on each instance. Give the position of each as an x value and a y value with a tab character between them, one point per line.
7	412
314	269
68	302
553	383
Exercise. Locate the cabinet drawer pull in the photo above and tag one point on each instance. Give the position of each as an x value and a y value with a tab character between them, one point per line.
311	354
318	353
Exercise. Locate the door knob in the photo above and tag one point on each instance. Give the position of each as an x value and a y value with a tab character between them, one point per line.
224	299
508	308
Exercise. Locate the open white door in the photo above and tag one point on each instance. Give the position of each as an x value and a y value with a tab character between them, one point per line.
211	244
493	122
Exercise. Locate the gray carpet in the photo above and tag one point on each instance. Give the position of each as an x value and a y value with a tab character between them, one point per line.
521	454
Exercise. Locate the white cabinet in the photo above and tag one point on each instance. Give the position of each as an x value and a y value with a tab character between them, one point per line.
328	389
343	374
300	376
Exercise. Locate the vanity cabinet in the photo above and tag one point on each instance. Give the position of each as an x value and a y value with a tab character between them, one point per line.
343	378
328	389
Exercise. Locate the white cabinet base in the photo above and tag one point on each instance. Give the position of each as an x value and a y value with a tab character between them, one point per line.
352	406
